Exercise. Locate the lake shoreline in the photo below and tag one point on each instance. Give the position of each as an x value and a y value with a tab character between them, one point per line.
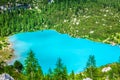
61	45
9	49
7	52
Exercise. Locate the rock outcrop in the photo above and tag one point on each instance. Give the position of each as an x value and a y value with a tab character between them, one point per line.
6	76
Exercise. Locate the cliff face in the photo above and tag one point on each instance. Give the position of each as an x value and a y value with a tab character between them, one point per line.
6	76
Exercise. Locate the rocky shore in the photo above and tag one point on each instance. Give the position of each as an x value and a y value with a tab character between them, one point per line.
6	51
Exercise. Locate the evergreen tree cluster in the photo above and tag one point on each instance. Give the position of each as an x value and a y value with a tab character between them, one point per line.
33	71
75	17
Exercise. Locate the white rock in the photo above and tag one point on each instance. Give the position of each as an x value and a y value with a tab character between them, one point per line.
106	69
52	1
65	20
105	15
91	32
107	10
87	79
5	76
77	23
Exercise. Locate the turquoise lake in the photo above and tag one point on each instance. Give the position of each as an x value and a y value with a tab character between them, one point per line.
49	45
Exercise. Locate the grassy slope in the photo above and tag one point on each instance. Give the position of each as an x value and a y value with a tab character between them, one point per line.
88	20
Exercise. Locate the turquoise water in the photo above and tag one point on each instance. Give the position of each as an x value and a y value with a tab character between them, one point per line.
49	45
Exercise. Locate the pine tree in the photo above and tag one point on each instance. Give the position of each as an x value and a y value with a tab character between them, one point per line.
49	75
118	67
32	69
65	75
91	62
18	66
91	67
60	72
39	74
119	60
72	75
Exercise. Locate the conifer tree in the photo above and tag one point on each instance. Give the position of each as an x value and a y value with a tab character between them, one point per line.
118	67
119	60
72	75
49	75
60	72
91	67
18	66
32	69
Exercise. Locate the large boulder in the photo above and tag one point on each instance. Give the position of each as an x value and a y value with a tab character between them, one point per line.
6	76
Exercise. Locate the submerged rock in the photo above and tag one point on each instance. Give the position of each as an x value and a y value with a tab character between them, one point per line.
6	76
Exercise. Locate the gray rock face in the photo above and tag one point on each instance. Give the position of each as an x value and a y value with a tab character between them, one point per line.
5	76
